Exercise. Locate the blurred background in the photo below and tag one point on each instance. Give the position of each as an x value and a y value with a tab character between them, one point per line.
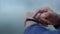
12	12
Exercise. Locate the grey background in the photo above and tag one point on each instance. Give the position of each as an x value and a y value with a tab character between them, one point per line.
12	12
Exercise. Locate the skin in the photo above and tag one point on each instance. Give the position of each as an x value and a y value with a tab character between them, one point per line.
47	16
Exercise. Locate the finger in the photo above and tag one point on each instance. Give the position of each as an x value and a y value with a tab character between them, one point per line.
44	21
42	10
44	17
35	14
38	11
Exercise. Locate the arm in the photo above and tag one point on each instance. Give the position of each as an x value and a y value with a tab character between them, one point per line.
29	16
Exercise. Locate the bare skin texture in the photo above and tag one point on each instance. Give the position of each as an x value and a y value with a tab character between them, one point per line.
47	16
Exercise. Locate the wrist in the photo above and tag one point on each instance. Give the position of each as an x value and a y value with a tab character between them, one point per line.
31	19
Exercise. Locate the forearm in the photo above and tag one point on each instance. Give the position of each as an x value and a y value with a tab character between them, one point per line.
30	21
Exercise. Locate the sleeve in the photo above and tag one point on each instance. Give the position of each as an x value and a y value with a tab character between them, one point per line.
34	29
37	29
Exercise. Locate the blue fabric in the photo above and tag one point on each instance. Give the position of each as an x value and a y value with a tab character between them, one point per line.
38	29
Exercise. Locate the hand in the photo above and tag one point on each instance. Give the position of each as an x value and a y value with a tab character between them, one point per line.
48	16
